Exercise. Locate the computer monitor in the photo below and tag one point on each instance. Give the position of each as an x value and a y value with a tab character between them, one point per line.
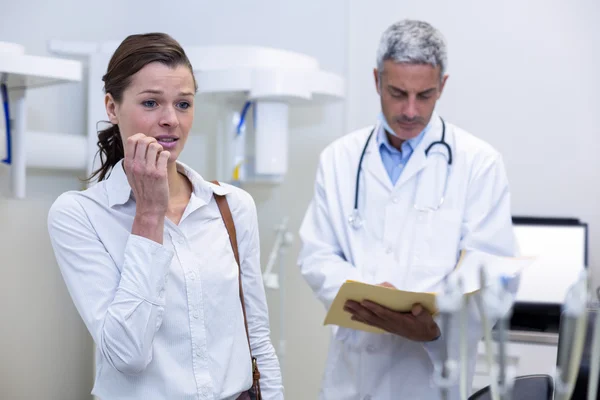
561	247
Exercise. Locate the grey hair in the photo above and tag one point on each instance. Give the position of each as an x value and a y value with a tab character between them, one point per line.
413	42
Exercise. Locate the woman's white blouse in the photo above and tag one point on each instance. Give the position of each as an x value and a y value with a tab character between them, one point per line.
166	319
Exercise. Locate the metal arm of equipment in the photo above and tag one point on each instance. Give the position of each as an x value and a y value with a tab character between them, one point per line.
495	303
573	337
594	360
274	280
464	354
282	240
449	303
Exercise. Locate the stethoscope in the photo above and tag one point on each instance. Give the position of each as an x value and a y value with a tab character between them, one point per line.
355	219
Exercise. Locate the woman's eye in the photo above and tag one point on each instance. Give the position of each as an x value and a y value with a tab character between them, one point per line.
149	103
184	105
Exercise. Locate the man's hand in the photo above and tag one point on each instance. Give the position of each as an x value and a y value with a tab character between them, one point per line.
417	325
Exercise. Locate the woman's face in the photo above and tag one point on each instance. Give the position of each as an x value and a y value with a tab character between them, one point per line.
159	102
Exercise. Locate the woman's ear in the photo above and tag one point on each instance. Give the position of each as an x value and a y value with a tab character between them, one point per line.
111	109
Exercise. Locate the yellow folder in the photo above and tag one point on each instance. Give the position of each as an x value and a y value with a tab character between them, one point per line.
403	301
397	300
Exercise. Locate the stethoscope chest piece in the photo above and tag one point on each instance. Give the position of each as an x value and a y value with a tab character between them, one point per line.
355	220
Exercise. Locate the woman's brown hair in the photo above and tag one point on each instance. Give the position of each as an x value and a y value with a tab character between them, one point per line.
133	54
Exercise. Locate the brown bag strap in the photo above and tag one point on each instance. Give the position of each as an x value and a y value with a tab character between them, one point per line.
228	220
230	226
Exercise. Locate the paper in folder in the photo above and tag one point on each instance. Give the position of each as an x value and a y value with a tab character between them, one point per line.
403	301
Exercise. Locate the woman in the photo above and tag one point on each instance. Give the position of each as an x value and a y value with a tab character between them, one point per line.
145	253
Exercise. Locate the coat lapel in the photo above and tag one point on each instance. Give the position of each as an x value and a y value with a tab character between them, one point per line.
418	160
373	163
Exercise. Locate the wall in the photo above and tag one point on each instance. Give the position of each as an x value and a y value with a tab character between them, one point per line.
46	351
523	76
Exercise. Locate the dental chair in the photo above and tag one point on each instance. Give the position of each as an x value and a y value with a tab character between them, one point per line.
527	387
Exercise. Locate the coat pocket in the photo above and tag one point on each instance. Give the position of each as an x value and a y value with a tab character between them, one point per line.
435	247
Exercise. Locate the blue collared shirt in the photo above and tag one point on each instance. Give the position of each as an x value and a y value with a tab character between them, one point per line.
395	160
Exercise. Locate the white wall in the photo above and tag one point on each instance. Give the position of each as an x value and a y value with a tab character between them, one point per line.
524	82
523	76
46	351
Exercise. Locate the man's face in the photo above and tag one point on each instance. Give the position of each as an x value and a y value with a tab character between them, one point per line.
408	95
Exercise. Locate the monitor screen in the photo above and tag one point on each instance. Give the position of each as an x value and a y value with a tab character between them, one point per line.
561	248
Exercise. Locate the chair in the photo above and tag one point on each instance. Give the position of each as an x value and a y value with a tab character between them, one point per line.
527	387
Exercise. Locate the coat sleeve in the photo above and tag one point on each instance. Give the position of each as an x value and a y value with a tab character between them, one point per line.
487	225
321	260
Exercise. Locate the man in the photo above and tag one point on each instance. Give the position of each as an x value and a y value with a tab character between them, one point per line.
426	190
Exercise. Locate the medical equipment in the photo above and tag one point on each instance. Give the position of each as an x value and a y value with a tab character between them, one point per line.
489	352
594	360
264	80
495	302
449	303
573	336
21	72
355	220
239	144
464	354
283	240
6	108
